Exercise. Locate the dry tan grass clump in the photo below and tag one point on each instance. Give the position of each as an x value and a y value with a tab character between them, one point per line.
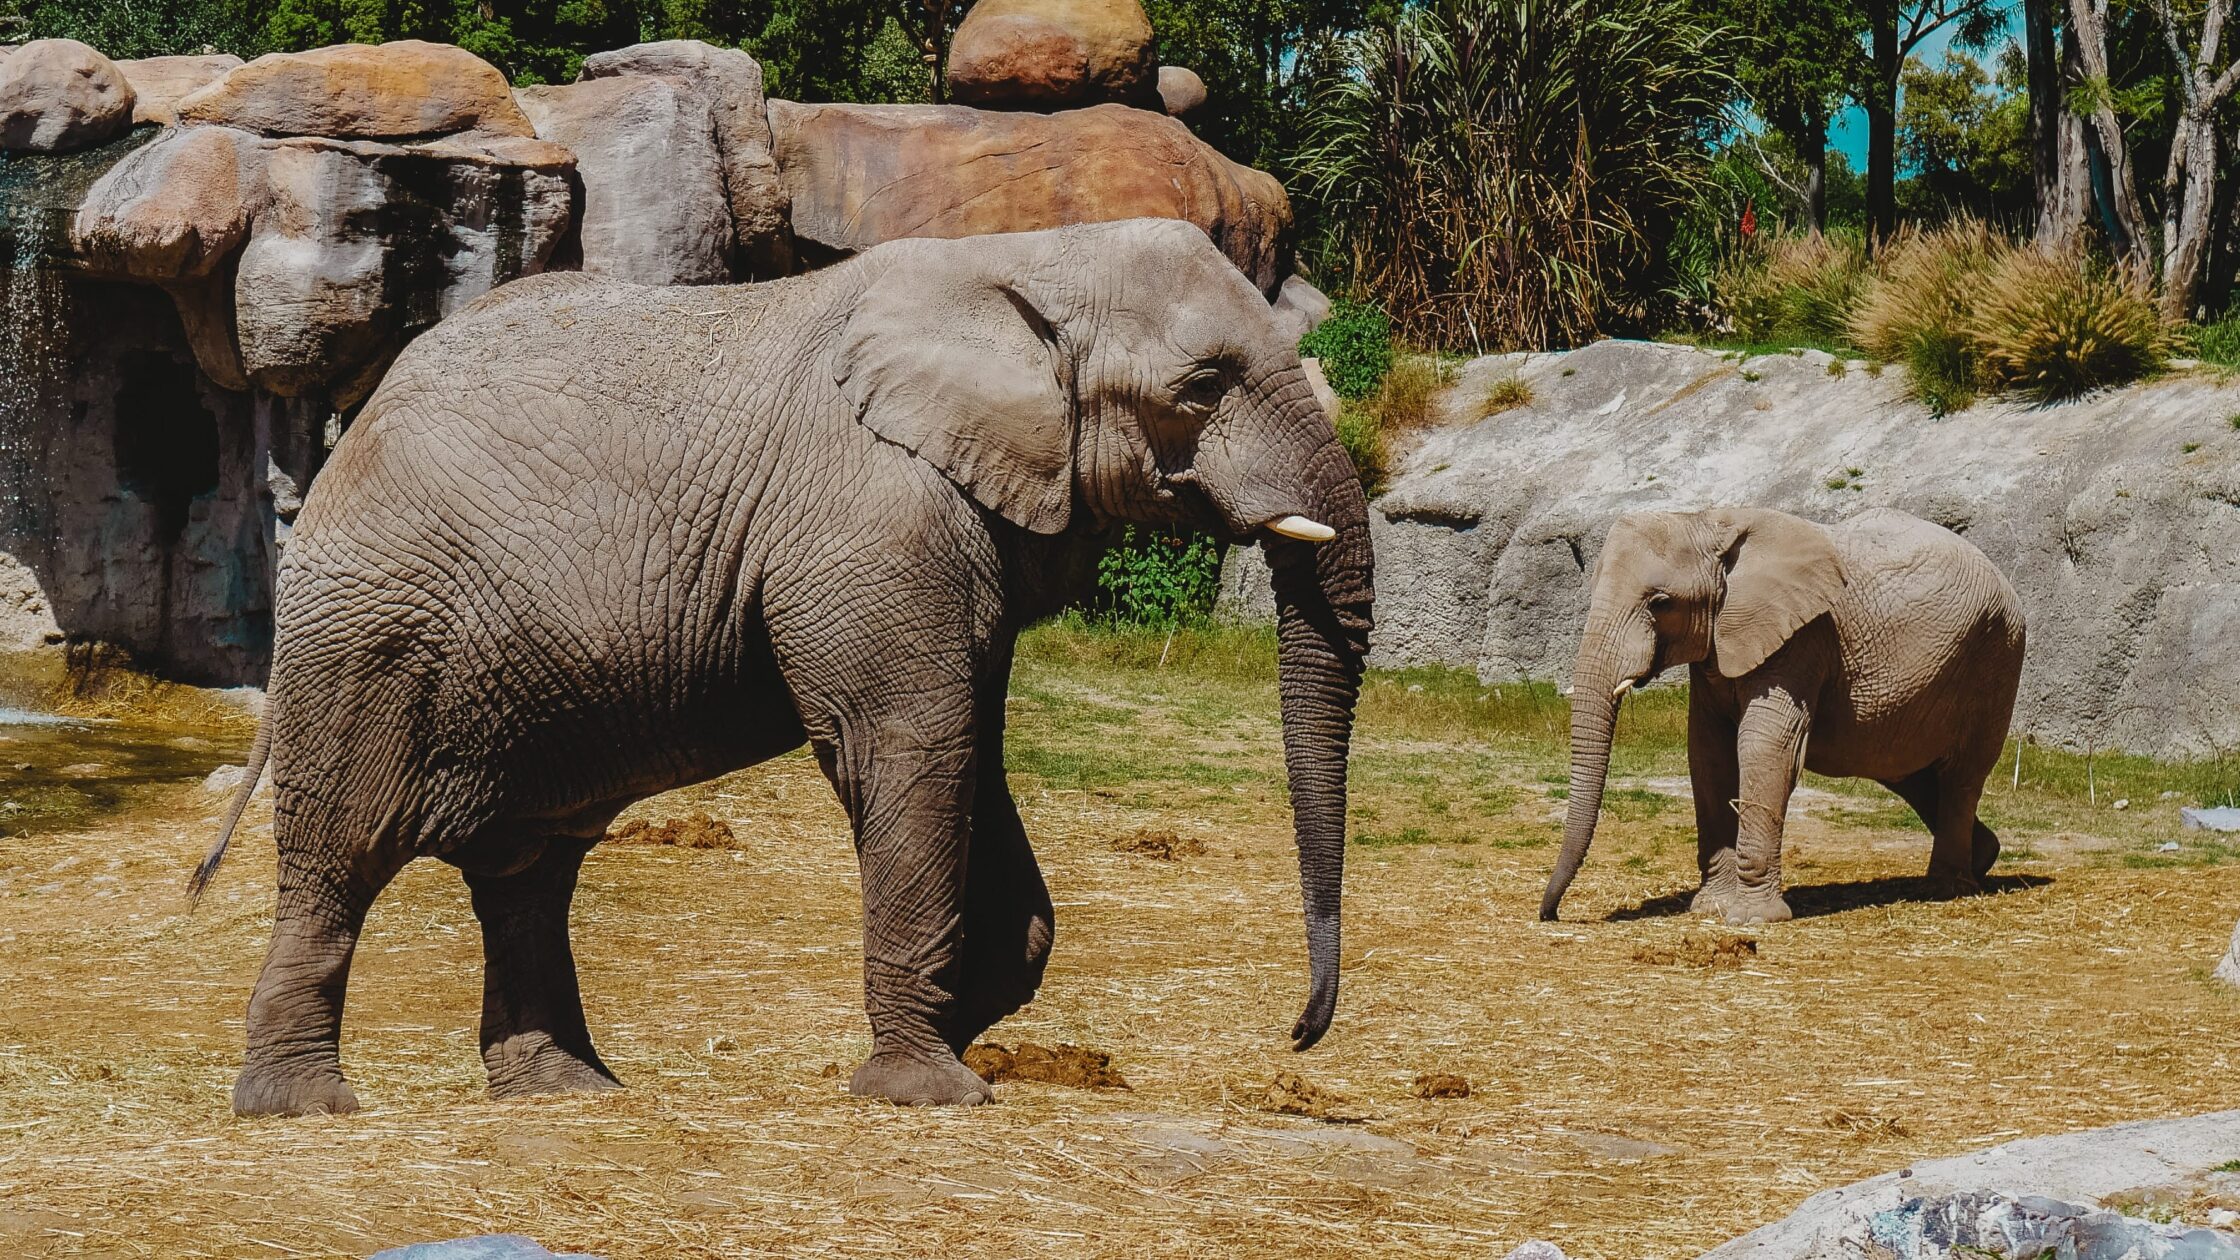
1914	310
1507	394
1868	1127
1712	953
691	831
1075	1067
1802	288
2056	325
1440	1085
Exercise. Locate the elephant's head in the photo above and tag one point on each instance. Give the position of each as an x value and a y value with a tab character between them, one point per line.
1128	372
1725	588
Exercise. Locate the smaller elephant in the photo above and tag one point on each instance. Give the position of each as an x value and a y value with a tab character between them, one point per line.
1884	648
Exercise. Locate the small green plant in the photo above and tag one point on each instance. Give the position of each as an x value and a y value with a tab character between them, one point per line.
1155	578
1360	432
2229	1166
1838	483
2233	421
1355	347
2189	448
1507	393
1753	377
2218	341
1838	369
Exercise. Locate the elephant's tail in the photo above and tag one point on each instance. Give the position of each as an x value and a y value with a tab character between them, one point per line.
258	752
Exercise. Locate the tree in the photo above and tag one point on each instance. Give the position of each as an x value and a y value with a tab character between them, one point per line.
2189	184
1258	59
1797	61
1895	28
1966	139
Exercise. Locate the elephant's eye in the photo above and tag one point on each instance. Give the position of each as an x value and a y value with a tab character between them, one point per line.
1202	390
1659	599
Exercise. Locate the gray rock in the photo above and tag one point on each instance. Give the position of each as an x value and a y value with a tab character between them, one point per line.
58	94
730	82
364	244
2221	818
1181	91
654	209
2124	544
1537	1250
2023	1199
1301	306
2229	970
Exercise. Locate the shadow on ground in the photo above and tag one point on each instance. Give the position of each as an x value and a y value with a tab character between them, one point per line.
1810	901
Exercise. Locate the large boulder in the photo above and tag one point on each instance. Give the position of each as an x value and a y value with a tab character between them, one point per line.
58	94
1300	307
858	175
398	91
730	82
654	210
1053	54
160	83
1181	91
364	245
175	208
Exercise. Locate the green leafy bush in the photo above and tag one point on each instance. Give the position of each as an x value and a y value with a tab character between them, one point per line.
1355	347
2218	341
1157	578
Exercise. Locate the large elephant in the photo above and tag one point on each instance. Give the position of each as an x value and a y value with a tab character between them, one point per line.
590	541
1884	648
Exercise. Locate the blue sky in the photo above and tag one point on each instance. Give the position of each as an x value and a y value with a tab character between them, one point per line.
1849	132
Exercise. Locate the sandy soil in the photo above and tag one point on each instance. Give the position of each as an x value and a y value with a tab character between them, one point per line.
1631	1095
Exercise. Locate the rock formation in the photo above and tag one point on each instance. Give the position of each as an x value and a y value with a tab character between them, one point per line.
2113	516
1053	54
211	263
58	94
1181	91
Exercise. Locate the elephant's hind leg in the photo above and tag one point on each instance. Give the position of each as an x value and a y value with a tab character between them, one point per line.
534	1040
1009	923
1962	849
294	1063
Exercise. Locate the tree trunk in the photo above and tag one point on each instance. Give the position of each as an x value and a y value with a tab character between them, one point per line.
2113	186
2045	108
2062	215
2190	194
1882	122
1813	139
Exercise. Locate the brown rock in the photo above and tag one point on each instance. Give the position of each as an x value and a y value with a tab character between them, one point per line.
857	175
401	90
160	83
58	94
1180	90
1052	54
363	245
654	210
731	83
176	207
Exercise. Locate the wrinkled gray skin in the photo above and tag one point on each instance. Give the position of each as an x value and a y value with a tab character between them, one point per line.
1893	644
592	541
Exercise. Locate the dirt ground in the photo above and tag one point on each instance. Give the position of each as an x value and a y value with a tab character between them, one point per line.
1640	1084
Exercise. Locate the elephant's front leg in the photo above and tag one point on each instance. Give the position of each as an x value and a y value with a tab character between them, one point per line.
1715	778
534	1039
1769	746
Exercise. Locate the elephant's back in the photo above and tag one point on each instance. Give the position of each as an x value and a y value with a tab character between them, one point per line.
1901	562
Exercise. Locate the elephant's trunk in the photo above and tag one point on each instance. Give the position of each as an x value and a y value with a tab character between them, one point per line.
1324	594
1594	715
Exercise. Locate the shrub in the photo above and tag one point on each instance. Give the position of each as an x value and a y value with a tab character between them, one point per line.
1355	347
1797	289
1914	310
1156	578
1500	173
1409	395
1507	393
2218	342
1362	434
2056	325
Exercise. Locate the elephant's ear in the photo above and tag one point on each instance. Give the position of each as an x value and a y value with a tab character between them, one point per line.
1781	572
958	367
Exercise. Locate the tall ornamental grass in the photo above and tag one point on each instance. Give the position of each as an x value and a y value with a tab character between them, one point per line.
1496	173
1915	311
1799	289
2055	325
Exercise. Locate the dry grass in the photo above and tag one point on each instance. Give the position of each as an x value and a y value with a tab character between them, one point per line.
1625	1109
2053	326
1800	288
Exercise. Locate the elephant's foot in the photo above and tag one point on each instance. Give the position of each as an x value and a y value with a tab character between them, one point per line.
282	1089
532	1063
1744	907
919	1080
1952	885
1711	899
1983	851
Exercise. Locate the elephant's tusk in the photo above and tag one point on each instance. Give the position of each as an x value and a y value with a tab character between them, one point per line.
1618	692
1301	528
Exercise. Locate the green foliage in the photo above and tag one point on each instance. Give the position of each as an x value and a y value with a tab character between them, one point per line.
128	29
1794	289
1257	58
1496	173
1355	347
1967	140
2218	341
1155	578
